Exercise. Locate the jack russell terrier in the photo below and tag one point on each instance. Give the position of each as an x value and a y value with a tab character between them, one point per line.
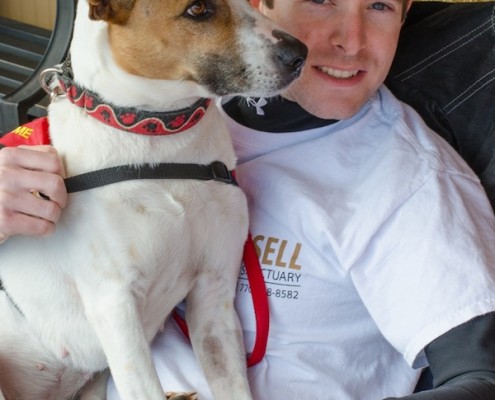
136	100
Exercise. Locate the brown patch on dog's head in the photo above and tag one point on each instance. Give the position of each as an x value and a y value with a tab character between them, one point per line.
112	11
222	45
166	39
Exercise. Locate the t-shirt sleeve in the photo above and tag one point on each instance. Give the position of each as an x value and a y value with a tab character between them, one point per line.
430	266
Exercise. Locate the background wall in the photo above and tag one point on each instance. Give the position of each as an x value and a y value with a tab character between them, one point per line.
34	12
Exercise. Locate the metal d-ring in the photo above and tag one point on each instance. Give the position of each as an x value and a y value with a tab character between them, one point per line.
46	77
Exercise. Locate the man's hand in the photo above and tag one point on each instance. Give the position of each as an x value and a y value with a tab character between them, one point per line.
26	171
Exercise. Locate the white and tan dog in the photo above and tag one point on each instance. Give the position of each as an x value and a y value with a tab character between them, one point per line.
97	291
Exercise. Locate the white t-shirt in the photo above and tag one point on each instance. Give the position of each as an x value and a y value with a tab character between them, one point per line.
374	237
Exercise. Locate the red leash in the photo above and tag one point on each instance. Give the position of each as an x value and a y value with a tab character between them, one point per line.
260	303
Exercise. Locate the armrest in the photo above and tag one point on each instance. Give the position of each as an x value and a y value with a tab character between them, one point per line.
14	105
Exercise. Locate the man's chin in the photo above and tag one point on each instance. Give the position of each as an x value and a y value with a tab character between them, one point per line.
325	105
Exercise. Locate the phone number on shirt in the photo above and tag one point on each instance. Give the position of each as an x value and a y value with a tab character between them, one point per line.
278	293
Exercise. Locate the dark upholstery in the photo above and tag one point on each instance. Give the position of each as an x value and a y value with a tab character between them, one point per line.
16	101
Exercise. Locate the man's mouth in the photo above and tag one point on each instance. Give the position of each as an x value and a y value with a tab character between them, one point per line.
337	73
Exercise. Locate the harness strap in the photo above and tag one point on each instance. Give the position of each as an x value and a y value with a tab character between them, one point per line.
216	171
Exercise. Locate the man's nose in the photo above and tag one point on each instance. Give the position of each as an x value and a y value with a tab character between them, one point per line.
349	34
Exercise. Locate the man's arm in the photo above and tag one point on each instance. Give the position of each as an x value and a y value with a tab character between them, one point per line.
462	362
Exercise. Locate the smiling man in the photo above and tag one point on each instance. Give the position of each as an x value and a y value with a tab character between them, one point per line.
393	231
351	48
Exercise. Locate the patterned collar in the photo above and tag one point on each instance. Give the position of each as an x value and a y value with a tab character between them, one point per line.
128	119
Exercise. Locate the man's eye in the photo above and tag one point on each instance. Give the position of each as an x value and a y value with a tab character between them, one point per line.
380	6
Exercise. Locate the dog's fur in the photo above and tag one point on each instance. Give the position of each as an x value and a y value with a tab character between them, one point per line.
97	291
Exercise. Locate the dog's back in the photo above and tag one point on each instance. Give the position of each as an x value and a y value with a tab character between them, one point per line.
97	291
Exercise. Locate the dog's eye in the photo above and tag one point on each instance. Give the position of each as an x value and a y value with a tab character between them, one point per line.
198	9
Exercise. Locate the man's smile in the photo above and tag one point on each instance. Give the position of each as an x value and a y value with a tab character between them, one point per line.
337	73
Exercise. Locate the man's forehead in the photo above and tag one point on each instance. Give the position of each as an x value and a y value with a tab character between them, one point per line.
270	3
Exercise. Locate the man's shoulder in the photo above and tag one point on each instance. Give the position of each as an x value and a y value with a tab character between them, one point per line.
409	134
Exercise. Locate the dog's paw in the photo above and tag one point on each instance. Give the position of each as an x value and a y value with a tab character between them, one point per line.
181	396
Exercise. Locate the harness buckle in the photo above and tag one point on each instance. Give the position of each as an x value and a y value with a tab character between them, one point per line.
221	173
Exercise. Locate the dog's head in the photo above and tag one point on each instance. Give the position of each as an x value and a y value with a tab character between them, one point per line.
224	46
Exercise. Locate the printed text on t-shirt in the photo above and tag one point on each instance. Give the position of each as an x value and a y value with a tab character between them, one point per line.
281	270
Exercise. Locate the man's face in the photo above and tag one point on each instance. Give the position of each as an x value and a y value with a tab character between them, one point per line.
351	47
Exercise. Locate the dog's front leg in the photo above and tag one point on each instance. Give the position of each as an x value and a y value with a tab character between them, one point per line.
115	318
216	337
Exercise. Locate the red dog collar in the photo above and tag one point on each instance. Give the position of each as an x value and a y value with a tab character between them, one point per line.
128	119
135	120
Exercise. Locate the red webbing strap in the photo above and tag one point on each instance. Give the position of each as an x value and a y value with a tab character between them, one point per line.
260	303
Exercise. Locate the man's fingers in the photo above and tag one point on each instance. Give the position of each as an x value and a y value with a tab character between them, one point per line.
29	205
47	186
15	220
22	213
25	182
25	225
35	158
24	172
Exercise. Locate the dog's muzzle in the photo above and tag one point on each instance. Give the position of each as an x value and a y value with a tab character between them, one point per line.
291	52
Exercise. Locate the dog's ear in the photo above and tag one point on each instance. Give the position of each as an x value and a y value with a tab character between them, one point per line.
113	11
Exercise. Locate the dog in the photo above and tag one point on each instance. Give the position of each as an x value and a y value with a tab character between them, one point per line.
95	293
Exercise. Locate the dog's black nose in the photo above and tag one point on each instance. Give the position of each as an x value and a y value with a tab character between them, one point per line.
290	51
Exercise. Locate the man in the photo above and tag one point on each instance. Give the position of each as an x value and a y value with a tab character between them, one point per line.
375	238
363	221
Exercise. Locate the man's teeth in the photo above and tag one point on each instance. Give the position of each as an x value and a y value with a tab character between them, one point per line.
336	73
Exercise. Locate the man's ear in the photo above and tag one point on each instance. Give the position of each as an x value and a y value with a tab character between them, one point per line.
409	4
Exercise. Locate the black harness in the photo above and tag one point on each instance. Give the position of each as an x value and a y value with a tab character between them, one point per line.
216	171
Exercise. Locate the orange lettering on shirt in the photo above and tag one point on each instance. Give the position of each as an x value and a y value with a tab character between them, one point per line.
257	239
281	250
295	255
269	249
275	252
